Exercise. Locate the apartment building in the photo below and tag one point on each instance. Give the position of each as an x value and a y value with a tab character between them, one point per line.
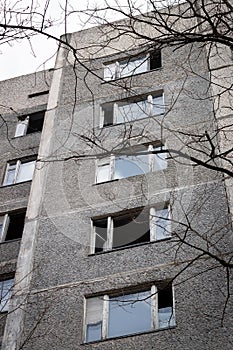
121	228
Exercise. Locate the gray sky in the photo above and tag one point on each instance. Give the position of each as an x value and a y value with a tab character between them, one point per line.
22	58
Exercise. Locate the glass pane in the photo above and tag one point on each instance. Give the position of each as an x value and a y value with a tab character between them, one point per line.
10	175
1	230
166	318
94	331
107	111
158	105
103	173
100	235
133	66
131	111
162	224
127	166
6	291
26	171
160	161
21	128
165	307
109	72
129	314
132	228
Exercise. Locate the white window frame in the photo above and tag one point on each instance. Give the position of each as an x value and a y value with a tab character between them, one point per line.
153	217
150	100
105	313
5	299
4	221
17	165
22	126
111	161
114	70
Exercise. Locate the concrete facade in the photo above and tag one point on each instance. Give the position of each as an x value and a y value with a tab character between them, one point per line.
57	269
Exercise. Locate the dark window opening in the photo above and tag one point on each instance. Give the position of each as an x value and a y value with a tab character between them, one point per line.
36	121
35	94
108	114
155	60
16	226
131	229
101	235
165	298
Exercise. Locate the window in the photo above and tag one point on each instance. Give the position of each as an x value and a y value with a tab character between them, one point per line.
131	109
12	225
140	160
130	228
19	171
111	316
30	124
133	65
6	291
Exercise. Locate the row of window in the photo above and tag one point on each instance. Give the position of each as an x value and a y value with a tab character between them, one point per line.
116	315
109	316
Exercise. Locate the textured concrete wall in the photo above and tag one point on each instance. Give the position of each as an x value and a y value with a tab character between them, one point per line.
62	269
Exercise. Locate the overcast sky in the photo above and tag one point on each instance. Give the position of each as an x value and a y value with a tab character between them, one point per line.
22	58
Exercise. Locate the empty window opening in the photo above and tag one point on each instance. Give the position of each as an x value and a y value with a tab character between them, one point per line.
12	225
30	124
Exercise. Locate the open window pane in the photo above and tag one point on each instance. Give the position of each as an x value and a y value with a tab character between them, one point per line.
5	294
109	72
165	307
132	228
100	227
10	174
26	171
160	159
103	173
21	127
162	224
129	314
158	105
94	319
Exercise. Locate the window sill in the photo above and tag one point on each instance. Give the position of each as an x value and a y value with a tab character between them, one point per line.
130	76
129	335
11	240
105	182
131	246
17	183
18	137
132	121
